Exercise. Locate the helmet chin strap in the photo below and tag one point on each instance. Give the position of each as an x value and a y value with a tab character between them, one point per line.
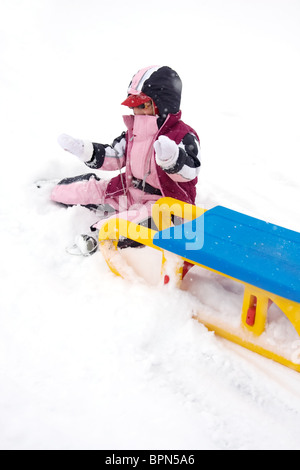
153	108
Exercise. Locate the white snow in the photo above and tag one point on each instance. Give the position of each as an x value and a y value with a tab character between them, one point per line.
88	360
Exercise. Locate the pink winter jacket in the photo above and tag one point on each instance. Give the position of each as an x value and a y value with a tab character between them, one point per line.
134	151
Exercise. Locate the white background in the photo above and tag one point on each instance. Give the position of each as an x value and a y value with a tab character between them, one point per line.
87	360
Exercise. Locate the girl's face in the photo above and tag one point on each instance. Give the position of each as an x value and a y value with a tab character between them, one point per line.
146	109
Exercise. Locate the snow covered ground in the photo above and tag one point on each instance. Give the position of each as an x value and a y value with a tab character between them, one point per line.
88	360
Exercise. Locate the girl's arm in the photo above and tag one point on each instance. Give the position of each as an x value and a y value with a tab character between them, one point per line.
107	157
181	162
96	156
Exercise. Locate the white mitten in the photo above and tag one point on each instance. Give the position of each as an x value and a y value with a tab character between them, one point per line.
81	148
166	152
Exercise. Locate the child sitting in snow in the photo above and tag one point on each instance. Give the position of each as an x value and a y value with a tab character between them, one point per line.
159	152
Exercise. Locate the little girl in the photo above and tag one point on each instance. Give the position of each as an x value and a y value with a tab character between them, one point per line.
158	155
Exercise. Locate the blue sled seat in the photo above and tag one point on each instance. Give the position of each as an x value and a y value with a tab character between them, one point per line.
245	248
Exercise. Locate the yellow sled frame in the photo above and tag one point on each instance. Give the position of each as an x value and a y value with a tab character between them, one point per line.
254	297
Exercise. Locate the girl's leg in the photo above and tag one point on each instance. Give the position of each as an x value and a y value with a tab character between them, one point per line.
85	190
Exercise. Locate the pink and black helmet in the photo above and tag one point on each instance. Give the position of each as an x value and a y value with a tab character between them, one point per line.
162	85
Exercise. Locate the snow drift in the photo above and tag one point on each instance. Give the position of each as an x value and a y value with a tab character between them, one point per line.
88	360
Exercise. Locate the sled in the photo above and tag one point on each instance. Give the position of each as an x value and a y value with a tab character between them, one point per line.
261	258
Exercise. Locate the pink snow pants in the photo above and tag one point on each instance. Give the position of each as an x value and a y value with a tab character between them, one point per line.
83	190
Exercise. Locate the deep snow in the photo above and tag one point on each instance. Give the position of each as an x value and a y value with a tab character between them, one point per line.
88	360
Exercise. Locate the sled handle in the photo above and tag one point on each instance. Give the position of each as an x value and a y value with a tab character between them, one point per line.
166	207
109	234
116	227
